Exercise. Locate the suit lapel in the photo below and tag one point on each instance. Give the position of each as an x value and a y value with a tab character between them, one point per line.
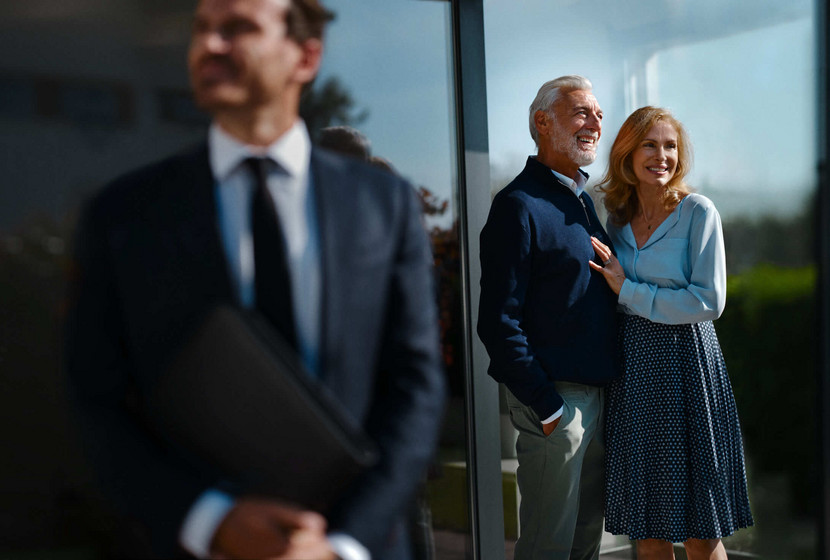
197	214
331	223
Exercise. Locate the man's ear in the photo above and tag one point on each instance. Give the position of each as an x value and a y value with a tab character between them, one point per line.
310	59
543	123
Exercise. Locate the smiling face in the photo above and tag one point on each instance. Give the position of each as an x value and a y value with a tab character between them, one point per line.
654	161
577	126
241	56
568	138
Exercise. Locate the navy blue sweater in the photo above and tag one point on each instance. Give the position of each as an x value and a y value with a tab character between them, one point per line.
544	315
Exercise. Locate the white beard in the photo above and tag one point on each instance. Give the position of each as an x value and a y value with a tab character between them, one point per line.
562	142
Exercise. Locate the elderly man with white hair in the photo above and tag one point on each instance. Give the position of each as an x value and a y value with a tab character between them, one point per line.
549	325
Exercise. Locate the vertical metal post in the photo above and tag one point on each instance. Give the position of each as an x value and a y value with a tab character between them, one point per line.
482	414
823	262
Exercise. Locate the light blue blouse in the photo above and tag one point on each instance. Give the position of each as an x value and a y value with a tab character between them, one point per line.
679	275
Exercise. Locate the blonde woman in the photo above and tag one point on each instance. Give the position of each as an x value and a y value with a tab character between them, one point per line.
674	457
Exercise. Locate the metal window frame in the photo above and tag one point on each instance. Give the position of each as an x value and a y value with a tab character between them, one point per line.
484	476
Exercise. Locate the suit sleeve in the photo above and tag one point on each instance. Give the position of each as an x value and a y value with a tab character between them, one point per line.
144	480
506	262
407	410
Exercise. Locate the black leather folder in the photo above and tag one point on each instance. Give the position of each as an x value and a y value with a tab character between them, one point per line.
237	395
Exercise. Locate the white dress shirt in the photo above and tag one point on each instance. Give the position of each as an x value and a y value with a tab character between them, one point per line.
292	190
293	196
576	184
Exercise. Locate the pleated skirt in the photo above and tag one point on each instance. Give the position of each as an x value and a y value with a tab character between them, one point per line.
674	456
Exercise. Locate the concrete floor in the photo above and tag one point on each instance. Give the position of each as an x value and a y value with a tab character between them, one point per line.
453	546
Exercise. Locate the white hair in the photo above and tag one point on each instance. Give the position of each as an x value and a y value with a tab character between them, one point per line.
550	92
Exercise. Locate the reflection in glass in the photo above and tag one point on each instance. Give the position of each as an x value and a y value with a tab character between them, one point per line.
396	84
92	88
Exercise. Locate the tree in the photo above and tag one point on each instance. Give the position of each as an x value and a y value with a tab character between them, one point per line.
329	104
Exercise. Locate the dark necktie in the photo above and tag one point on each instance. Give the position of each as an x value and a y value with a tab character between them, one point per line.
272	279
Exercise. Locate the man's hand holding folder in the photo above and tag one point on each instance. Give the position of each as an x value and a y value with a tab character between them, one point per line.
257	528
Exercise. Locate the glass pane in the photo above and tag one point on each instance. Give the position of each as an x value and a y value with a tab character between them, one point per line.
92	88
79	86
741	76
398	74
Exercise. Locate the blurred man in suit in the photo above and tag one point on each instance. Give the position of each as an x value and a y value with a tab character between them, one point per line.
341	267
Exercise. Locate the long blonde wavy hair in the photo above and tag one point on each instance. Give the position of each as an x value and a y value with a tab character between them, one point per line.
618	184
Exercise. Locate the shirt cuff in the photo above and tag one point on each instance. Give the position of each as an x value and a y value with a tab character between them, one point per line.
627	293
347	548
202	520
553	416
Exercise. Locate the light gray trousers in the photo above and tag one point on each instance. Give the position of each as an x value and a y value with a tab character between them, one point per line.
561	477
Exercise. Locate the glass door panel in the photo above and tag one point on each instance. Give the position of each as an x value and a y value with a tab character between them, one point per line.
741	76
392	60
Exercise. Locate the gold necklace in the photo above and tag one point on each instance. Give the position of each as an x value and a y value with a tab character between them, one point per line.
646	220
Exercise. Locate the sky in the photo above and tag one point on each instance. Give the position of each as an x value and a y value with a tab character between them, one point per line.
754	125
405	85
747	96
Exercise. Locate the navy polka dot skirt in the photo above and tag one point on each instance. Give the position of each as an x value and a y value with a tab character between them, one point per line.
674	457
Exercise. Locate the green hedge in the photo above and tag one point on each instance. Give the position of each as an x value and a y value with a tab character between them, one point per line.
768	336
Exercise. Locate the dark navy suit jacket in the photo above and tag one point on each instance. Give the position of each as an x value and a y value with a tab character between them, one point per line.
149	263
544	315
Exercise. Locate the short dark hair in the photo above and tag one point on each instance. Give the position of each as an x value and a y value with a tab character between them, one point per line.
307	19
